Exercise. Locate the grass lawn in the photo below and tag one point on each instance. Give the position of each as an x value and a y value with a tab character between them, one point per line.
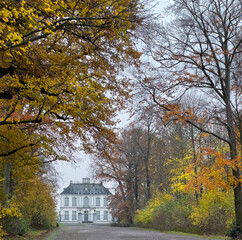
199	236
186	234
31	235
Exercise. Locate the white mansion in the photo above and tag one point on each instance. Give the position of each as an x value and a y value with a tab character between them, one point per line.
84	202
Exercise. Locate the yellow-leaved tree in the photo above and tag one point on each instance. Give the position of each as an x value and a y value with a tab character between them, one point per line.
60	77
60	60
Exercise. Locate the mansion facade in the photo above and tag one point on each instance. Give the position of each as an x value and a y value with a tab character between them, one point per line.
84	202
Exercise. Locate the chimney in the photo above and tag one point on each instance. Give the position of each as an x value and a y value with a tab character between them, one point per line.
86	180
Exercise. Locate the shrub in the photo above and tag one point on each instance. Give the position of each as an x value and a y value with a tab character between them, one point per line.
173	214
7	212
145	216
165	212
215	212
121	225
36	203
234	232
15	225
43	220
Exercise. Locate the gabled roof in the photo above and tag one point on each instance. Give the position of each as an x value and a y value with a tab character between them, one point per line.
86	188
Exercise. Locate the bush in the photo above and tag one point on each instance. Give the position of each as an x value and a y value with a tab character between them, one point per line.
215	212
165	212
173	214
235	233
15	225
8	211
121	225
43	222
36	203
145	216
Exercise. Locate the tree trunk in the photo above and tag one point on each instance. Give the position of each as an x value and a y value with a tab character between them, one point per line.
131	210
136	188
122	190
238	202
147	163
236	173
7	181
194	159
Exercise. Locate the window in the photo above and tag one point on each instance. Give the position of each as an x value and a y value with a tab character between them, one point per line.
74	201
66	201
105	215
86	201
66	216
98	201
105	202
73	215
98	215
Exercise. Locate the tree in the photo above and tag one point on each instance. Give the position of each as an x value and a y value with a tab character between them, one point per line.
31	191
200	50
122	164
150	127
35	199
127	163
59	62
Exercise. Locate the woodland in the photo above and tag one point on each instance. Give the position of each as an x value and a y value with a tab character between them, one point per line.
67	68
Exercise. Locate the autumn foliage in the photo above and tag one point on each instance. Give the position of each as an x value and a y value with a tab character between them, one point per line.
59	62
195	80
61	82
190	175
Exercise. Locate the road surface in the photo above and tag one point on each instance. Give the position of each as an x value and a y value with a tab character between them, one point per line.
104	232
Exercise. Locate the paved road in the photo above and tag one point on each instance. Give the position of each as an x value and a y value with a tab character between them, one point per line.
103	232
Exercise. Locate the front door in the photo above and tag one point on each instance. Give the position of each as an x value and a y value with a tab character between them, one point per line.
86	216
